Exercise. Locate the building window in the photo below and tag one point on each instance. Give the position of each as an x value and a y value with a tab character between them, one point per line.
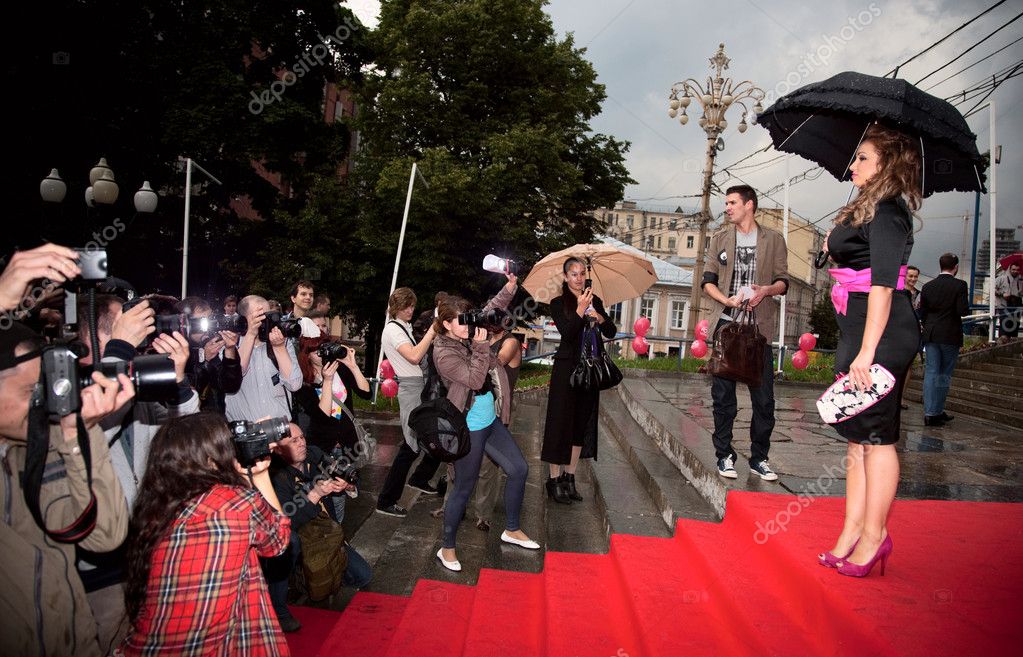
647	306
671	244
673	224
615	313
678	313
689	241
658	241
628	221
706	243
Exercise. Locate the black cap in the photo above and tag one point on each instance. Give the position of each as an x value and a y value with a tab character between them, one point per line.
13	335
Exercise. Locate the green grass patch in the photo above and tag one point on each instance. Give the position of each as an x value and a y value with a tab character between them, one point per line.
532	375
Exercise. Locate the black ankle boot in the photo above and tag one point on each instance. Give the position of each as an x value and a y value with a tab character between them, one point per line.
568	485
556	491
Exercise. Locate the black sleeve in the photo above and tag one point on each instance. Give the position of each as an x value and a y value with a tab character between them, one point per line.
228	374
323	431
888	233
348	378
569	324
608	328
288	490
963	299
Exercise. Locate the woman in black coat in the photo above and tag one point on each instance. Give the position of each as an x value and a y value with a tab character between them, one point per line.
570	432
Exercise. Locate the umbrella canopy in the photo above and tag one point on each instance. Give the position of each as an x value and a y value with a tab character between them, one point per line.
825	122
617	275
1010	260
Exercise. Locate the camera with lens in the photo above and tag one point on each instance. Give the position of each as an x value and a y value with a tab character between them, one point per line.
332	351
342	467
64	377
490	320
252	439
206	327
289	327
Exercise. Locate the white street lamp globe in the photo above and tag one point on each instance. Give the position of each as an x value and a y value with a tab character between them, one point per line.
105	189
685	100
672	113
674	103
90	198
684	119
52	188
145	199
97	171
742	127
727	100
723	123
706	99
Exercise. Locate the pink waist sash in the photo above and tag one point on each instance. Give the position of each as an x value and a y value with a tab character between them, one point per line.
855	280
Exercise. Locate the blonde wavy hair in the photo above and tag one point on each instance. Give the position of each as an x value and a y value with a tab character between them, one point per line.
898	174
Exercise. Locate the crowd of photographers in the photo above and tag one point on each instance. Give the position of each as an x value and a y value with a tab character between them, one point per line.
156	446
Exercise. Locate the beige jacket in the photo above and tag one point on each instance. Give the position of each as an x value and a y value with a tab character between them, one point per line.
43	607
772	266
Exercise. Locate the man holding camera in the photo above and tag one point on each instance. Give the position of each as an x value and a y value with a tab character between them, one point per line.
307	488
44	609
214	368
269	367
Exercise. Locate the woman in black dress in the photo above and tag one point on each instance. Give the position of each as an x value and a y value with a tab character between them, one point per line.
874	232
570	432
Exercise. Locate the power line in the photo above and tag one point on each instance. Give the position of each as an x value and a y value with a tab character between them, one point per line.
1013	74
975	63
895	71
963	53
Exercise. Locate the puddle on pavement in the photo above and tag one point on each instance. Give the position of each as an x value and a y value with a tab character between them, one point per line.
919	442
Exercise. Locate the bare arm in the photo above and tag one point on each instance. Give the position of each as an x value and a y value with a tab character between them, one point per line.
414	353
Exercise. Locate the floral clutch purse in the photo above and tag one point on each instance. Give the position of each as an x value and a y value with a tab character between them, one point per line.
842	400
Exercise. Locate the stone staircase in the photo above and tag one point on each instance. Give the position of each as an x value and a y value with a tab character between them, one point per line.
987	385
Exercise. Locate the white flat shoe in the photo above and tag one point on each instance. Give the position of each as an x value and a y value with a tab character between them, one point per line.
529	544
455	565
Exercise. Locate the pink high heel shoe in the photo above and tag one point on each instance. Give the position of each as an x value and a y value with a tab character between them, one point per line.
829	560
882	554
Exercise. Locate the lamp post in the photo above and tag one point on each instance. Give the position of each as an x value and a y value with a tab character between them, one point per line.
102	189
189	163
714	98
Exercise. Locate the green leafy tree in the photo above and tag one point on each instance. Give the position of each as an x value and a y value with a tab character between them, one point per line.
494	108
823	322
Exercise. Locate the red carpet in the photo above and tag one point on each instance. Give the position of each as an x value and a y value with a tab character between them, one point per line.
952	587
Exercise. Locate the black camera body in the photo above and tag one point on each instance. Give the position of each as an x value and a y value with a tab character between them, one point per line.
490	320
252	439
332	351
64	377
342	467
289	327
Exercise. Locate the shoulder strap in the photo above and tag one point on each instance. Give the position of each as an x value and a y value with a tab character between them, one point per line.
403	330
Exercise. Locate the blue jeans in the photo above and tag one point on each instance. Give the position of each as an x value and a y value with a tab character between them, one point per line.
941	361
499	445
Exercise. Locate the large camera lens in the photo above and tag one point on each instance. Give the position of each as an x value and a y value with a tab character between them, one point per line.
233	323
332	351
152	375
252	439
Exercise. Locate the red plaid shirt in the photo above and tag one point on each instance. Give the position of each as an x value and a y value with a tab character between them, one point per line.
206	594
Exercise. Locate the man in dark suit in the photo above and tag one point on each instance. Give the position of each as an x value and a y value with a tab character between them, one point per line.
943	302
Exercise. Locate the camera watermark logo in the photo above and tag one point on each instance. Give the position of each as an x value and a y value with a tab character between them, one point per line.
315	56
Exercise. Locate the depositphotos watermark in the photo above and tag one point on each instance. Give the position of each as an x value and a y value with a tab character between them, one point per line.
309	60
819	58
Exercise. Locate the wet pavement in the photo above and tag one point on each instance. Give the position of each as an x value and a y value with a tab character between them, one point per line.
962	460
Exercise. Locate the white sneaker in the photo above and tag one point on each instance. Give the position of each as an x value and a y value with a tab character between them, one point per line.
764	470
529	544
726	468
455	565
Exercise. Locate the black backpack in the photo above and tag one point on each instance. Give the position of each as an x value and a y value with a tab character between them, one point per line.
439	426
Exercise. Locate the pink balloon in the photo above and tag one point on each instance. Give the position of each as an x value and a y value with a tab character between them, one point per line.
386	370
640	345
389	387
698	348
641	326
800	360
807	342
702	329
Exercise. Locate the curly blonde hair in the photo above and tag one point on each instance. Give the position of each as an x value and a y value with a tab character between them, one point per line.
899	171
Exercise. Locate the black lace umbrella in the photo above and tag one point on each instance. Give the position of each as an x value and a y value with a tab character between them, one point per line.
825	122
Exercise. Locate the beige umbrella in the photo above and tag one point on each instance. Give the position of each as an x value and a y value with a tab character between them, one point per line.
617	275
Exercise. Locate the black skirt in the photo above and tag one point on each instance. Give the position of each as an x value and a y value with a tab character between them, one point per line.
881	423
571	418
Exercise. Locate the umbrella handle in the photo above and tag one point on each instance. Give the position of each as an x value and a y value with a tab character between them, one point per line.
589	281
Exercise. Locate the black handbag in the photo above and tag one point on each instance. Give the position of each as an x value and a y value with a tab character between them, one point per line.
595	370
739	350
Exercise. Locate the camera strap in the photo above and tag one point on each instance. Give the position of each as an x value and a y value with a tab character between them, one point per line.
38	446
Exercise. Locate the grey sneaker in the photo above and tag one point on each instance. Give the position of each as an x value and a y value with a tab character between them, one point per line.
726	468
764	470
393	510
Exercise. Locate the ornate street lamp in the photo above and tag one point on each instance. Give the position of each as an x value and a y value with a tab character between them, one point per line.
714	98
102	189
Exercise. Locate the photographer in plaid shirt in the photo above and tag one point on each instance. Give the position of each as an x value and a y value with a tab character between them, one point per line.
194	582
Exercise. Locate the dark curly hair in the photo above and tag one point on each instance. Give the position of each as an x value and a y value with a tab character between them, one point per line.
898	174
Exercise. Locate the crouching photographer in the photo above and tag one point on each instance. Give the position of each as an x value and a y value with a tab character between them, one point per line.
56	474
214	367
206	513
313	487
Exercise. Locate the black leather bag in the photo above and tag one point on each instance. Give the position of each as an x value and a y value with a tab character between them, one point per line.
595	370
738	352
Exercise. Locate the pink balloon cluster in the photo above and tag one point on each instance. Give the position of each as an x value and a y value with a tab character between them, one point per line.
699	346
801	358
389	386
639	343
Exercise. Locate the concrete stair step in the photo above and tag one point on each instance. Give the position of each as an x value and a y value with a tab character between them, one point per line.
981	380
998	368
983	412
997	399
1015	361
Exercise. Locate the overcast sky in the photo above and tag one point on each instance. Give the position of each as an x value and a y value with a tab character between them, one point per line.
639	48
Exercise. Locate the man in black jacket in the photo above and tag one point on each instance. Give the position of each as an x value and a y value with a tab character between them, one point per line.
943	302
213	368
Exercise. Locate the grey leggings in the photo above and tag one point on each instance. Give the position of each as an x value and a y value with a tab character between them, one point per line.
498	444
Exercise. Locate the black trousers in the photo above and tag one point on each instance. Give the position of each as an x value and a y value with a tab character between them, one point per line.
722	391
395	482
